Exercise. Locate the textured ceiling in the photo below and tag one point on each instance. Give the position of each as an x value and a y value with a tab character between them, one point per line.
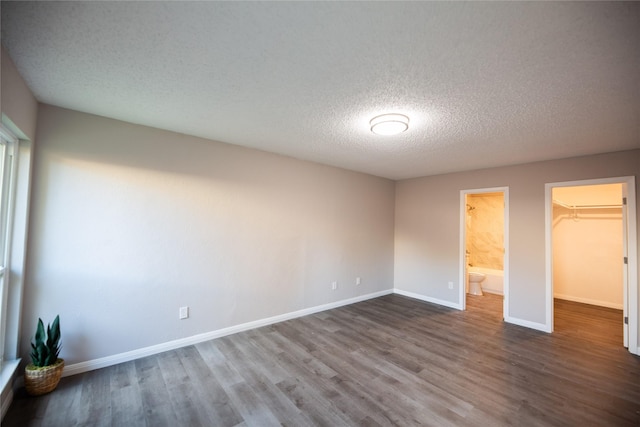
484	84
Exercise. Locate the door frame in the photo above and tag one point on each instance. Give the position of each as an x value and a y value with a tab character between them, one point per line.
630	291
462	296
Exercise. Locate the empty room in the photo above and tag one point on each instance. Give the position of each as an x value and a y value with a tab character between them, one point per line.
319	213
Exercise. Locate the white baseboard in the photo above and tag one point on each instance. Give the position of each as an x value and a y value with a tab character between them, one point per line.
103	362
428	299
589	301
528	324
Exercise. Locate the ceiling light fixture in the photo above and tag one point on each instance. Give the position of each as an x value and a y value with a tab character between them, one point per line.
389	124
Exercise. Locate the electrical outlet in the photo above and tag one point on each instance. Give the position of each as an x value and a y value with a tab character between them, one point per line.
450	285
357	281
184	312
334	286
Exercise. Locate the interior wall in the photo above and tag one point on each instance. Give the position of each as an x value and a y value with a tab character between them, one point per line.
129	223
427	235
587	257
17	103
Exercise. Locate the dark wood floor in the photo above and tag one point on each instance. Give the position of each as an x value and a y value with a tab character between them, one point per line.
387	361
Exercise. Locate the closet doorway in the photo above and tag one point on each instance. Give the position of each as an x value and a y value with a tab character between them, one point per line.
590	237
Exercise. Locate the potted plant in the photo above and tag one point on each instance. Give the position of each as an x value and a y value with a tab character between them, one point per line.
43	374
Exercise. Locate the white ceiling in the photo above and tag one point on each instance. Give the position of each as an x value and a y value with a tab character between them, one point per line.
484	84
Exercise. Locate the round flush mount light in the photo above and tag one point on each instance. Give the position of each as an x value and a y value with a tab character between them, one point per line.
389	124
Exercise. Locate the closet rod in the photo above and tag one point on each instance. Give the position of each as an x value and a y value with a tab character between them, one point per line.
564	205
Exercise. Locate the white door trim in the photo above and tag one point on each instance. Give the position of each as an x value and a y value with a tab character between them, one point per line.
462	300
632	252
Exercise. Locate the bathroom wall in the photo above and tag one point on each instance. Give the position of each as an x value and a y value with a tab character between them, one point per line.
587	246
485	230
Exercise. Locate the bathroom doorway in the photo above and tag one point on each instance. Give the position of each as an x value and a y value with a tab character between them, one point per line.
591	256
484	219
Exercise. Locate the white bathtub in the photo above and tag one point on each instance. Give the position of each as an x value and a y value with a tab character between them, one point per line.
494	282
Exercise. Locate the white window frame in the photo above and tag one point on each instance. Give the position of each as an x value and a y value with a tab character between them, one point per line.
8	172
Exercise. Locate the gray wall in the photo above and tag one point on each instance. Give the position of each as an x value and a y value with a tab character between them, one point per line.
17	103
129	223
427	239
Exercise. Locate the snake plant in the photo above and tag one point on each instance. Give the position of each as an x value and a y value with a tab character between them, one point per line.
45	349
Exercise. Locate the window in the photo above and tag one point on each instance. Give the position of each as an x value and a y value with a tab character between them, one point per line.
8	163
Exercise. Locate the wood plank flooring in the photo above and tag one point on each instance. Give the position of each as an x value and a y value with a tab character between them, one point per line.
388	361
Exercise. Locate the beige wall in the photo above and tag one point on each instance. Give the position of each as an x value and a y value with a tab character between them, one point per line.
129	223
427	239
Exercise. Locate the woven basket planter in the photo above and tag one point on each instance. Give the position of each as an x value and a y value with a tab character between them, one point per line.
39	381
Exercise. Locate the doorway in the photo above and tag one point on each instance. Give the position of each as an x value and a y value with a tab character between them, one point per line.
591	255
484	228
